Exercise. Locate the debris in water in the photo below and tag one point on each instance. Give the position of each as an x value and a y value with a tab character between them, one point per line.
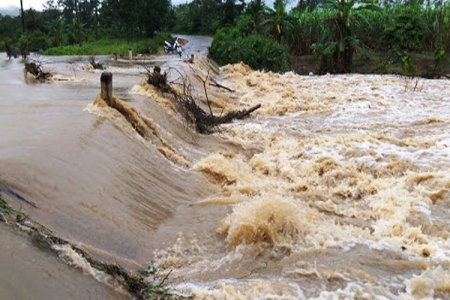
37	71
96	65
205	122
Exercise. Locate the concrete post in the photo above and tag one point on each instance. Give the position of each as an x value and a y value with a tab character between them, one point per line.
106	87
130	54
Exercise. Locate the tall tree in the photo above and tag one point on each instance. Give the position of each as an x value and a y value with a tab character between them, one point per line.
77	18
153	15
125	18
309	5
70	11
343	43
278	20
231	11
22	15
51	11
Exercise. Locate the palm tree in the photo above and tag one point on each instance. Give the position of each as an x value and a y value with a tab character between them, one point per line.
57	31
343	43
279	19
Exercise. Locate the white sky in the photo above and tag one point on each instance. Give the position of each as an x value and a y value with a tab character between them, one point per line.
35	4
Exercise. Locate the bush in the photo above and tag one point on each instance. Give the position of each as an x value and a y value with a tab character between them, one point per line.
142	47
37	40
152	46
242	43
157	42
407	30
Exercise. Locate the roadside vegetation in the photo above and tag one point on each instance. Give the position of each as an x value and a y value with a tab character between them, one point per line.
336	36
119	46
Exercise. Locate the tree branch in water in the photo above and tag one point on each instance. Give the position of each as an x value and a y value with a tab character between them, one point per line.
204	122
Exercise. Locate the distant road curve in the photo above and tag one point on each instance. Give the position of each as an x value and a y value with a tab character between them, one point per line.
197	43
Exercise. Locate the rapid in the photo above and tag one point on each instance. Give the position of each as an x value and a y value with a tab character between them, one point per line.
338	187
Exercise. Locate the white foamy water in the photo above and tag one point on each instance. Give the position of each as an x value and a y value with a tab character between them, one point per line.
338	187
344	195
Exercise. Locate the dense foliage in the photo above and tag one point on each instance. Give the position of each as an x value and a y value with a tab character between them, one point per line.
336	30
263	37
74	22
244	43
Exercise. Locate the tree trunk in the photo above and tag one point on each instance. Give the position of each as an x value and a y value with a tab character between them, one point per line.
77	17
23	17
342	59
96	18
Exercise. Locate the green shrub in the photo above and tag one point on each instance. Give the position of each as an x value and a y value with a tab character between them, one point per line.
371	34
407	30
142	47
243	43
157	43
307	30
37	40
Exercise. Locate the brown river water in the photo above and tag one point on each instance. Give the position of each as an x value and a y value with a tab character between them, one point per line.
338	187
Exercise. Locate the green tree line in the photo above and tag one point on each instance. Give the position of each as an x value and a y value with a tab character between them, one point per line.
334	31
71	22
265	37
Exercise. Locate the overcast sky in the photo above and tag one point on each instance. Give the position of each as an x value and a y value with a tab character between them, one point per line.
36	4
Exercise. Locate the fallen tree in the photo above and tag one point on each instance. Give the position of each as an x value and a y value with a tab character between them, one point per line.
205	122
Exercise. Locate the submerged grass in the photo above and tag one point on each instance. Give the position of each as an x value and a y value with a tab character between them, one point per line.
152	272
5	208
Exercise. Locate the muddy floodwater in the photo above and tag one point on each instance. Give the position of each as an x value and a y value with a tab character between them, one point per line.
338	187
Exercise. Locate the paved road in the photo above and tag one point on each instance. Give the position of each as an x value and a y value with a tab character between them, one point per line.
196	44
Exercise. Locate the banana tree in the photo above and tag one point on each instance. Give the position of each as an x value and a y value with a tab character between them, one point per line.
57	31
278	18
339	43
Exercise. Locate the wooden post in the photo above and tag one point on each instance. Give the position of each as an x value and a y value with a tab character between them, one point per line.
106	87
158	78
130	54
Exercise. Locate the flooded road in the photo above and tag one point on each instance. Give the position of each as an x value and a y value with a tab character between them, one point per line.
30	273
78	174
337	187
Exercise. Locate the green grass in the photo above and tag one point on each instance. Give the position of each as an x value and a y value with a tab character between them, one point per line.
5	208
110	46
107	46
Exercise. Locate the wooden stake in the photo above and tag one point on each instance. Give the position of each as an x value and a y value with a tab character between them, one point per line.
106	87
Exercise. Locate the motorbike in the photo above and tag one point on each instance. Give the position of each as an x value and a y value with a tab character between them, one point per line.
174	47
